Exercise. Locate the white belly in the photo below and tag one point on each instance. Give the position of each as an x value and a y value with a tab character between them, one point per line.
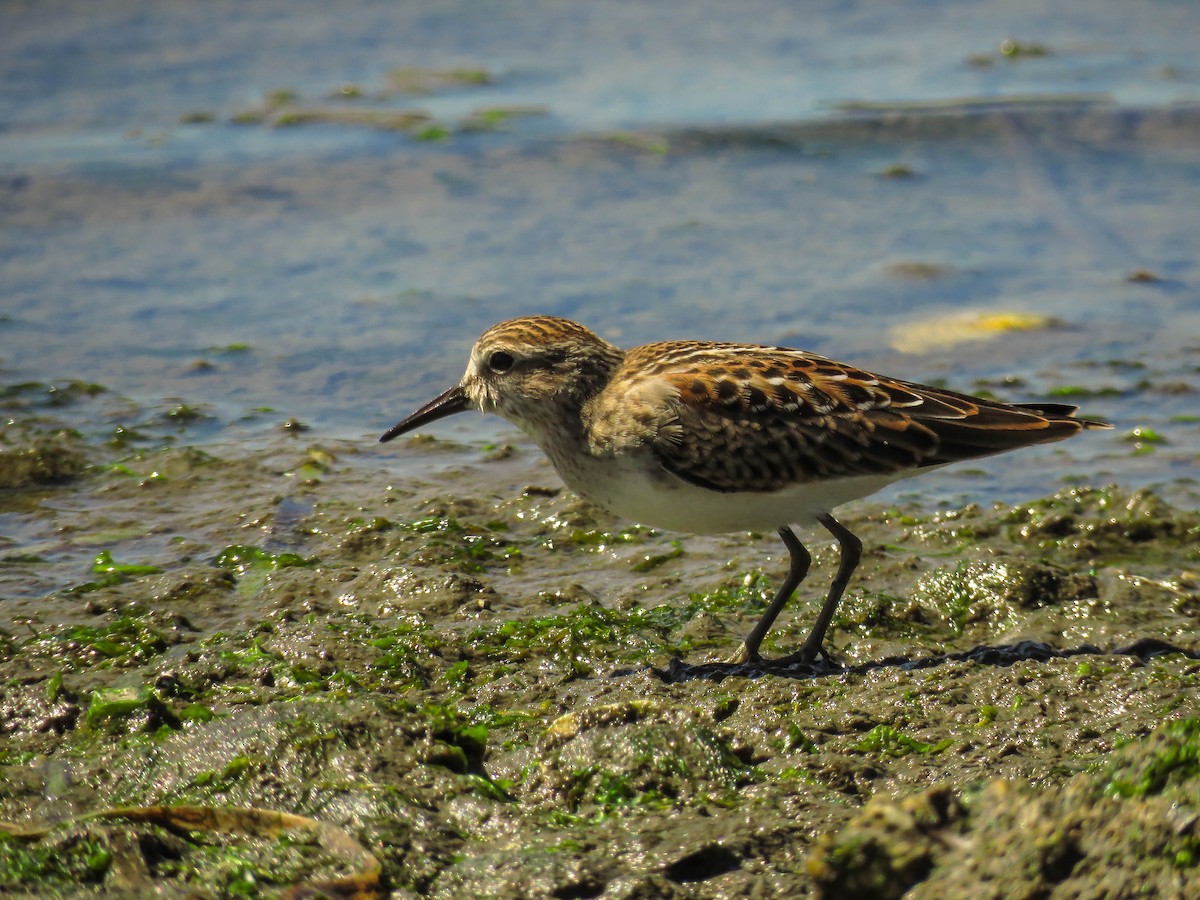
660	500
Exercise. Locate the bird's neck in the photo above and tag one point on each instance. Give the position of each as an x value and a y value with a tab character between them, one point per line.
557	424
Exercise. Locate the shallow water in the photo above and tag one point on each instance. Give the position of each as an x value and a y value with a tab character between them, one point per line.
696	172
220	279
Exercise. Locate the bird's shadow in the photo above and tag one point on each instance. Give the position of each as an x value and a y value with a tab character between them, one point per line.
678	671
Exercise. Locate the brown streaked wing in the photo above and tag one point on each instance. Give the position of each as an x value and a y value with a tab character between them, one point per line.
761	418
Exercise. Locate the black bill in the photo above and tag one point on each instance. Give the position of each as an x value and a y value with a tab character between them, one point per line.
445	404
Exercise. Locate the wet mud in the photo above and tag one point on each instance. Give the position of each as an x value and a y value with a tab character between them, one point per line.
242	657
260	672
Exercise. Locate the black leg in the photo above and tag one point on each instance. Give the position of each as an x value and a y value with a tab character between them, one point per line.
851	548
801	559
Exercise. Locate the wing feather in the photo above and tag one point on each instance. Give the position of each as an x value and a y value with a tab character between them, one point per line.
731	417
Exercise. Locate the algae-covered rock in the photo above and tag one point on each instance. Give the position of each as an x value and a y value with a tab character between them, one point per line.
637	754
888	847
1131	829
1086	522
996	592
37	456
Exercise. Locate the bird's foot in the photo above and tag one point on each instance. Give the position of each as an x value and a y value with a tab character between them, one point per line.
743	655
805	656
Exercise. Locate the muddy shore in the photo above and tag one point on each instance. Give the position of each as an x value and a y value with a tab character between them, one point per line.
247	651
458	687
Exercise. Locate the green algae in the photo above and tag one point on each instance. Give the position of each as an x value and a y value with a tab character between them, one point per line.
493	117
890	741
253	565
126	641
356	672
59	866
469	549
458	744
1141	435
47	395
1173	763
385	120
434	133
652	561
644	760
576	639
135	708
418	80
288	109
1014	49
223	779
105	565
100	856
399	661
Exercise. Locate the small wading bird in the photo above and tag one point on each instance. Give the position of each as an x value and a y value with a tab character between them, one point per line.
710	437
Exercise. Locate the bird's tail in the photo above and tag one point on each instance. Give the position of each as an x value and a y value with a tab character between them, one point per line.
1060	411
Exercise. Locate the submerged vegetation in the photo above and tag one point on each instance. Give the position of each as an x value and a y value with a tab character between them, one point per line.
357	105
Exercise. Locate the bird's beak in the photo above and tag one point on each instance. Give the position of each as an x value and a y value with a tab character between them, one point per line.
445	404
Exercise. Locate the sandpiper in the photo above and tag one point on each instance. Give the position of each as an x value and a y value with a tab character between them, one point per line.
708	437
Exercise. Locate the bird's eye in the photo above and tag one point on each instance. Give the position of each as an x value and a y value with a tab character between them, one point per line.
500	361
